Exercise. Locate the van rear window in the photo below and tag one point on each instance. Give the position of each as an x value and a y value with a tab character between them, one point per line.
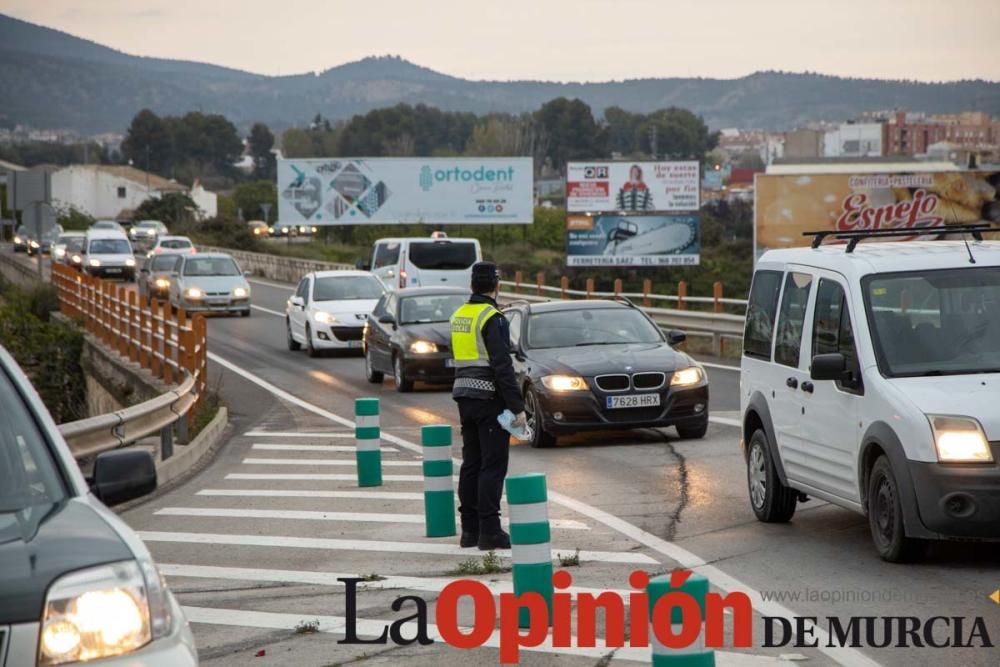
442	256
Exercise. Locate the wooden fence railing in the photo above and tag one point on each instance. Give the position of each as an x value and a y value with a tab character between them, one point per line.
167	342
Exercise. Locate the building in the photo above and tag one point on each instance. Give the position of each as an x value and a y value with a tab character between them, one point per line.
854	140
804	143
115	191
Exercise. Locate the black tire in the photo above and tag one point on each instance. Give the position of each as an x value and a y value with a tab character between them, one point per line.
693	431
770	500
293	344
403	384
372	375
540	439
245	313
310	350
885	517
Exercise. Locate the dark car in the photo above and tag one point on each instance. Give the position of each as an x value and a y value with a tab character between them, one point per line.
49	238
593	365
22	237
408	336
154	277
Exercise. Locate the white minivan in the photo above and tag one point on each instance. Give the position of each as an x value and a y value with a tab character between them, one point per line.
108	254
437	261
871	379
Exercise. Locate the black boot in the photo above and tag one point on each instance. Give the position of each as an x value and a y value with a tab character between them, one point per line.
493	541
469	539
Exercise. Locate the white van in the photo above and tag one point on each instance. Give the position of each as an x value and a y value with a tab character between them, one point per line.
871	380
437	261
108	254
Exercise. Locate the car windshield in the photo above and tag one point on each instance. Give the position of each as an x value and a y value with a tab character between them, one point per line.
28	475
66	238
347	288
442	255
109	247
175	244
74	243
211	266
429	308
106	224
590	326
147	225
163	262
943	322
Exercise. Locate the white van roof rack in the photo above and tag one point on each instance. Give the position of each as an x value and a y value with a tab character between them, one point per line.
852	237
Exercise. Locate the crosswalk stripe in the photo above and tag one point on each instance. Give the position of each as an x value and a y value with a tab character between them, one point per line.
320	515
286	542
312	493
326	462
318	476
294	434
310	448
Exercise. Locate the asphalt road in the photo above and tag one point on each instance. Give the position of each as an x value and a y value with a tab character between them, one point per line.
225	537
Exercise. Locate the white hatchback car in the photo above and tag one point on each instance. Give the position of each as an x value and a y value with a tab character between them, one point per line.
871	379
329	309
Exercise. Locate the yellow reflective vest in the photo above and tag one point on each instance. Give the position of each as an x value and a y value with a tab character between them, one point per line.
467	342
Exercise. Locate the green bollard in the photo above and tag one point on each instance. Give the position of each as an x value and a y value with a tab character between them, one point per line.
530	540
439	488
367	439
694	655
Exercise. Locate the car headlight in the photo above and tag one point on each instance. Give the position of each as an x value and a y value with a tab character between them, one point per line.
130	262
33	244
76	259
959	440
161	283
685	377
17	240
314	230
60	252
194	293
423	347
103	611
564	382
241	292
324	317
94	262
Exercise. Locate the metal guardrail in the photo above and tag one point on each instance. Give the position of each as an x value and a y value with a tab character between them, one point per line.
94	435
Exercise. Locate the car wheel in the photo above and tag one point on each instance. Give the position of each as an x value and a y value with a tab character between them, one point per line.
532	413
293	344
402	383
245	313
771	501
689	432
310	350
885	517
372	375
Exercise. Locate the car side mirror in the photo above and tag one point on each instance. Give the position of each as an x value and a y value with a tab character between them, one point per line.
297	301
831	366
676	336
122	475
387	319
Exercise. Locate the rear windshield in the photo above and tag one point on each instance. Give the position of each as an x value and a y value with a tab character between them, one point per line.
347	288
175	243
211	266
442	255
109	247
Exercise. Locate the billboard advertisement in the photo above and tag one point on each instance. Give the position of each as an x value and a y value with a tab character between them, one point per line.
632	186
785	206
380	191
632	240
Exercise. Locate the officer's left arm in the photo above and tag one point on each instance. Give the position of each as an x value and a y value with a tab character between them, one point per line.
496	334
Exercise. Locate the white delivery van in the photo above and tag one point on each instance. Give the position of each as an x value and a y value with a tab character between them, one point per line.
437	261
108	254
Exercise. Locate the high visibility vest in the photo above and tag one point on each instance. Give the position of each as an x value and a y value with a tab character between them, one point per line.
467	342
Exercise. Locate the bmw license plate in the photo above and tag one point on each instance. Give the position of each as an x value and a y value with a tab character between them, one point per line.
633	401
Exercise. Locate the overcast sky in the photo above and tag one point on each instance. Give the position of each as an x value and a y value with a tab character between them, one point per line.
565	40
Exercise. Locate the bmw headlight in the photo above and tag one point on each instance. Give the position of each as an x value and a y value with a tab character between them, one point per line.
241	292
423	347
686	377
103	611
324	317
959	440
194	293
564	383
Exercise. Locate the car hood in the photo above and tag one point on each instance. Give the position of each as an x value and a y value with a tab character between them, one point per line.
435	332
40	544
346	310
593	360
213	283
966	395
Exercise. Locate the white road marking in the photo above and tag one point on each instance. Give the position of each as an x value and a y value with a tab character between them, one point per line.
374	628
323	477
304	448
849	657
286	542
725	421
313	493
326	462
319	515
267	310
724	367
287	434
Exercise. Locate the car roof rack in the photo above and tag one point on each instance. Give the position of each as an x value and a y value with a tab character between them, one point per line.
852	237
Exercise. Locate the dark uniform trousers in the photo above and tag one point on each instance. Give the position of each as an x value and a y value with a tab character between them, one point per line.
485	452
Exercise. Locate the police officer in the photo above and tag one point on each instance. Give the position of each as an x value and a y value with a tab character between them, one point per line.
485	385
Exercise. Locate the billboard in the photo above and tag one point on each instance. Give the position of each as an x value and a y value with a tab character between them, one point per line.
785	206
632	186
632	240
379	191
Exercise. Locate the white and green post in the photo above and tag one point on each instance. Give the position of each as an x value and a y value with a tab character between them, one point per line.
367	441
439	488
694	655
530	540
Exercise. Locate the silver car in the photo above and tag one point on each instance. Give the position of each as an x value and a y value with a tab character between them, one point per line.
210	282
147	231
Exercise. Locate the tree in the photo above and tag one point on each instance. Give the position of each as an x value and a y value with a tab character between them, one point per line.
148	142
171	209
501	135
679	134
623	130
261	142
569	132
249	196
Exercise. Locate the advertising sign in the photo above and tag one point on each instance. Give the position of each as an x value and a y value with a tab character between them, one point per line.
788	205
632	186
632	240
338	191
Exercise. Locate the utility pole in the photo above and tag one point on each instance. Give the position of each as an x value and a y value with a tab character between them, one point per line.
652	141
147	171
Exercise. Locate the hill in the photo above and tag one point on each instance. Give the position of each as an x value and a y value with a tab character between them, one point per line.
53	79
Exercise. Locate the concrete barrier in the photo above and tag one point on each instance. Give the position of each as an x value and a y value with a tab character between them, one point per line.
276	267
